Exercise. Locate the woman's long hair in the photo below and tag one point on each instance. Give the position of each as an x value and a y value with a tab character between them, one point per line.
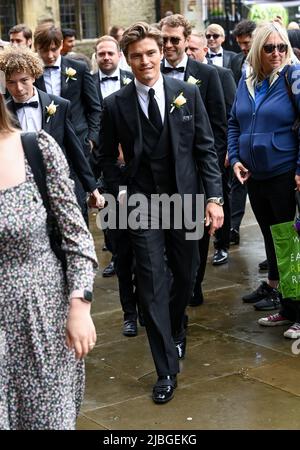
6	122
260	37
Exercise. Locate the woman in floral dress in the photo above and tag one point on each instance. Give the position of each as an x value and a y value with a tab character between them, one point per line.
45	325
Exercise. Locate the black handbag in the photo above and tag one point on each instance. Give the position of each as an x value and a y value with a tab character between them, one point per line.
34	157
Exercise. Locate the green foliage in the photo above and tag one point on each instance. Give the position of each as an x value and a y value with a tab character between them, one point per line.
259	13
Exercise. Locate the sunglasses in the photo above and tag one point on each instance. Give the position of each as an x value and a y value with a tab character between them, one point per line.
173	40
270	48
214	36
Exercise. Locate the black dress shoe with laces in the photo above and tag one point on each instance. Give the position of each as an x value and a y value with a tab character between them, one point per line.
163	390
181	347
109	270
130	328
220	257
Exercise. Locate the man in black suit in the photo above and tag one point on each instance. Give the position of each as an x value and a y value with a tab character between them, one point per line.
71	80
166	139
243	35
197	49
35	110
215	36
109	79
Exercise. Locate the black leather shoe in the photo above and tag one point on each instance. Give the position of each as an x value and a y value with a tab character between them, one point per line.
130	328
220	257
197	298
263	265
181	347
109	271
163	390
234	237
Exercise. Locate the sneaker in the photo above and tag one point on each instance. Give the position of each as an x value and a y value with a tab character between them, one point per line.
293	332
273	320
234	237
220	257
270	302
261	292
263	266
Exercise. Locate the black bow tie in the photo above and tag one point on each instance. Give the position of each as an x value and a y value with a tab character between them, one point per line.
109	78
51	67
171	69
23	105
212	55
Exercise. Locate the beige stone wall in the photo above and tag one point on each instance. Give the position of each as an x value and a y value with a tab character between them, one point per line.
36	10
126	12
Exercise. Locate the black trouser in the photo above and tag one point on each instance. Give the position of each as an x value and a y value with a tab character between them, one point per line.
238	202
222	236
272	201
164	310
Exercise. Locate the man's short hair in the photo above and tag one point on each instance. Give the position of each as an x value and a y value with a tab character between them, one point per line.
107	38
139	31
177	20
45	34
20	59
215	28
245	27
68	32
21	28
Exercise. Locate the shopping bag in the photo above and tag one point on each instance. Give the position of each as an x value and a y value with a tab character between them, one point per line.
287	247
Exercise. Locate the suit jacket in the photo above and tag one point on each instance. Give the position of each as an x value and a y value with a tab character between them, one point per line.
85	104
227	58
236	66
123	74
213	98
192	143
228	86
61	129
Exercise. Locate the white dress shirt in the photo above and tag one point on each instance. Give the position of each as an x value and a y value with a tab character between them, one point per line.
109	86
143	97
178	75
30	118
217	60
52	78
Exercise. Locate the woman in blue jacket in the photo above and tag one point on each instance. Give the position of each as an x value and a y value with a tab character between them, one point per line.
264	152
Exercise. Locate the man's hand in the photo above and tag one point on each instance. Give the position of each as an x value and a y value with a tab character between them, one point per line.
226	162
214	216
241	172
92	144
100	200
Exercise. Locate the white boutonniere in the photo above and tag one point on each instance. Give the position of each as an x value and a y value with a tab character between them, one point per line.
126	80
178	102
70	73
51	110
194	80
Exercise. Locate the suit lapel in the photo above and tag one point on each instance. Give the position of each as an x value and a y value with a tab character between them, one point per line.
97	81
11	107
45	100
40	83
63	78
174	117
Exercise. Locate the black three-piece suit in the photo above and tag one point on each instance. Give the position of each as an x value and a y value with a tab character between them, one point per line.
161	162
59	126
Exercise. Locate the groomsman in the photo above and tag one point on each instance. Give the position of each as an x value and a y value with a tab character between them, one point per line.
215	36
34	110
71	80
167	143
108	79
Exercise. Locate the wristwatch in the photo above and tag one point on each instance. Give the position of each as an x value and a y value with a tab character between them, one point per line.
84	294
218	200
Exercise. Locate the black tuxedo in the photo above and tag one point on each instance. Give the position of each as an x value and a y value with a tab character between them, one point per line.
228	87
236	66
187	148
227	58
123	74
85	104
61	129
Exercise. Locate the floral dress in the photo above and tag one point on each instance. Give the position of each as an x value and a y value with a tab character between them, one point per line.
41	382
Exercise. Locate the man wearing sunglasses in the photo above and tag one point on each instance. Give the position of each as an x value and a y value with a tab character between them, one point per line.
215	36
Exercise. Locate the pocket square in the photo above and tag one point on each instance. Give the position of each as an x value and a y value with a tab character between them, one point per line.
186	118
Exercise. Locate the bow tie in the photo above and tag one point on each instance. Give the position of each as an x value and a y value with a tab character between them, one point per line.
212	55
23	105
171	69
51	67
109	78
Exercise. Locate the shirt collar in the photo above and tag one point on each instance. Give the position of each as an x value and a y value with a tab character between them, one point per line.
116	73
143	90
182	63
